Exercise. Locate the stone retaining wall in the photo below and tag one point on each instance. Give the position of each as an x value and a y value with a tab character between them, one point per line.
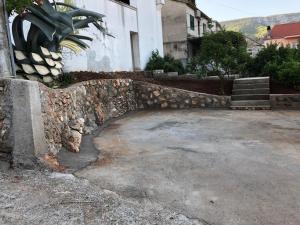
69	113
160	97
285	101
5	121
36	121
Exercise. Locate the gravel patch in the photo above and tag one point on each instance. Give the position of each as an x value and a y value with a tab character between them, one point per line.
46	198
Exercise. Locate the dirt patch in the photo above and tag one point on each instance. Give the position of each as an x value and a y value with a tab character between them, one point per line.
278	88
202	86
52	162
185	83
86	76
181	82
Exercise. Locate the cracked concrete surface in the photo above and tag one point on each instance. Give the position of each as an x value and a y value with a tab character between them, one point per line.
223	167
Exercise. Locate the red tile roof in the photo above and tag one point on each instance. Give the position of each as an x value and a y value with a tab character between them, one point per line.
285	30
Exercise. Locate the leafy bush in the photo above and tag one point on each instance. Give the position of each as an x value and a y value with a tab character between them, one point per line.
289	74
167	63
17	5
280	63
270	69
156	62
268	60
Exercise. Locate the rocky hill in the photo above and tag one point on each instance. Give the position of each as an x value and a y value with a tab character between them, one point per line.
255	27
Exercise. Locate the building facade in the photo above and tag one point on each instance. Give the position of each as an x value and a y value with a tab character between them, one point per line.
183	26
286	35
137	30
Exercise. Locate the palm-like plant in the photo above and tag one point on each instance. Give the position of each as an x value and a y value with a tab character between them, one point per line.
38	55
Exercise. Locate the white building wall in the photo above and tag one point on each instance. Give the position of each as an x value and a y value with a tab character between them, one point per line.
150	29
115	54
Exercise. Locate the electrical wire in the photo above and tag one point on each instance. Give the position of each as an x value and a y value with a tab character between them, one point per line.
234	8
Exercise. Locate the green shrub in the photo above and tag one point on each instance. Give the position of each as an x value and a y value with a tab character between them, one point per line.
271	69
156	62
17	5
269	59
167	63
289	74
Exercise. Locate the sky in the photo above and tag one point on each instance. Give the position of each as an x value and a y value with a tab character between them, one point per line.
222	10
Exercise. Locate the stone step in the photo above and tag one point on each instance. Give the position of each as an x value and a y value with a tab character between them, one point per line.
245	103
251	86
259	91
254	80
250	97
262	107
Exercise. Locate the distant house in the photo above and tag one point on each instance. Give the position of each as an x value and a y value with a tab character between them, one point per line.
284	35
216	26
183	26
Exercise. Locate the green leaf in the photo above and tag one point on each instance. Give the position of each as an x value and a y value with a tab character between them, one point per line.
47	29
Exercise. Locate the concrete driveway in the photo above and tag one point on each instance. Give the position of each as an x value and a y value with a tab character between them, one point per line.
222	167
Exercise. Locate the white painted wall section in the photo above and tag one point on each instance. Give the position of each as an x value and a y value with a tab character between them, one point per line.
150	29
115	54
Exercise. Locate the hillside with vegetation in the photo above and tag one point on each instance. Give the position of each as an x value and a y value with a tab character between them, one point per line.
255	27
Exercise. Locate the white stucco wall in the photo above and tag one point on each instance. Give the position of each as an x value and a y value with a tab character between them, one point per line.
114	54
150	29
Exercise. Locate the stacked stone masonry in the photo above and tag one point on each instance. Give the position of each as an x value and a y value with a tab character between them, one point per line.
160	97
5	121
287	101
81	109
72	112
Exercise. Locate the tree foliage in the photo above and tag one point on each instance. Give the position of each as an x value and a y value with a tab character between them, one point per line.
280	63
289	74
222	53
17	5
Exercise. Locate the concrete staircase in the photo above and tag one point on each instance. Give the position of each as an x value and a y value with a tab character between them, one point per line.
251	94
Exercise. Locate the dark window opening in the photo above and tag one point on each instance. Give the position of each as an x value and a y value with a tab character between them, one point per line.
125	1
192	22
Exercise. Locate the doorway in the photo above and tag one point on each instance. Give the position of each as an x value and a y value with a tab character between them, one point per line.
135	51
